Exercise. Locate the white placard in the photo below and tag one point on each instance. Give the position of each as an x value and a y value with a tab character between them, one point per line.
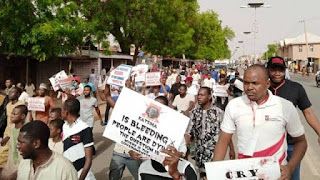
220	91
153	79
66	83
238	84
140	72
119	75
36	104
244	169
54	80
144	125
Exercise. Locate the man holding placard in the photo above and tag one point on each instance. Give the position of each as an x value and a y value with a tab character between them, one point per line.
262	121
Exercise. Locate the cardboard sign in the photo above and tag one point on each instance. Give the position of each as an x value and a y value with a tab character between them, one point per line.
119	75
66	83
153	79
36	104
244	169
140	72
144	125
220	91
54	80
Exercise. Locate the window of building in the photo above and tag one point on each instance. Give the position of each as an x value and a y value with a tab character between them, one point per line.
300	48
311	48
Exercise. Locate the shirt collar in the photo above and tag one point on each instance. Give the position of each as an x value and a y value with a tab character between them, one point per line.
269	102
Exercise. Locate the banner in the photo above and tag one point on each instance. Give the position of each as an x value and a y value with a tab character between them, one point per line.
54	80
36	104
153	79
66	83
140	72
244	169
144	125
119	75
220	91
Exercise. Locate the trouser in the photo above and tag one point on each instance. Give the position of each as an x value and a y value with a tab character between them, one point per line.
296	172
119	161
106	115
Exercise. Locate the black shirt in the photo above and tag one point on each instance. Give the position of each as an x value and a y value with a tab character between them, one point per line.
294	92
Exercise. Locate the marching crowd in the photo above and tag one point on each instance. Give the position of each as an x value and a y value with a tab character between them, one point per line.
260	107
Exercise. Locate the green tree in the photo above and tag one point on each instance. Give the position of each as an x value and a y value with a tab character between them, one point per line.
41	28
272	51
210	38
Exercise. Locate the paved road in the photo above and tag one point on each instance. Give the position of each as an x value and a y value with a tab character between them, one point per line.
310	164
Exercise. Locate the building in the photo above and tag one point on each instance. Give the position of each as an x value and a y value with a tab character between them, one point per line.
295	50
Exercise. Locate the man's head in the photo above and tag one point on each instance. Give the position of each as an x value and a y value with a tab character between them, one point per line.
204	96
21	86
156	89
87	90
222	78
182	89
14	93
256	82
55	127
55	114
19	114
42	89
77	79
162	99
277	69
92	71
178	79
71	108
86	79
32	139
9	83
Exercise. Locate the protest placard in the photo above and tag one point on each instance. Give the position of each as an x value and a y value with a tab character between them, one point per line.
153	79
220	91
66	83
238	84
36	104
144	125
54	80
244	169
119	75
140	72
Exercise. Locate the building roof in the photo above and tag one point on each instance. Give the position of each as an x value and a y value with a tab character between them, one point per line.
312	39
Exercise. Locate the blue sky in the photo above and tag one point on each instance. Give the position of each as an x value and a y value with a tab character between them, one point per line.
273	24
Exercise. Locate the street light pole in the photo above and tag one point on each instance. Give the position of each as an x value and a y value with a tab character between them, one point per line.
306	36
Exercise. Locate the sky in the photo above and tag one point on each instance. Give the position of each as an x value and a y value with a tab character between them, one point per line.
276	23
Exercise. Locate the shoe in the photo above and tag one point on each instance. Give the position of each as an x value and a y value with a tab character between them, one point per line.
104	123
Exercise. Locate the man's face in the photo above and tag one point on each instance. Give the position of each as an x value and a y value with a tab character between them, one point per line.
277	74
86	91
13	94
64	114
178	79
182	90
19	85
53	115
255	84
203	97
25	146
54	132
92	71
42	92
8	83
85	80
156	89
16	116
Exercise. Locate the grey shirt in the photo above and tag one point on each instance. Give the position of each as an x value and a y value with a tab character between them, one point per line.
86	109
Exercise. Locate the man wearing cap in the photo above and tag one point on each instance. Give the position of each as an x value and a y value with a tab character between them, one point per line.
191	88
295	93
48	103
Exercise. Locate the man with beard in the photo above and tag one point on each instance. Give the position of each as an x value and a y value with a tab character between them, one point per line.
294	92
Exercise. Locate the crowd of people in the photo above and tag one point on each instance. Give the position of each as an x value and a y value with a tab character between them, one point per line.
259	106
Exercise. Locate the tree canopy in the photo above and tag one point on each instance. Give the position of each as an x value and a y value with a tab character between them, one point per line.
272	51
47	28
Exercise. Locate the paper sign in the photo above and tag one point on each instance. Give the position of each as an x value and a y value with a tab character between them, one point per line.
238	84
66	83
140	72
119	75
144	125
244	169
36	104
153	79
54	80
220	91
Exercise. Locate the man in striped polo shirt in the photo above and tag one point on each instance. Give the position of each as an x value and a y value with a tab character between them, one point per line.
77	140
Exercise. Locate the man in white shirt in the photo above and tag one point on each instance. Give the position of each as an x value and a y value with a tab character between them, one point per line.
209	81
196	77
262	121
183	102
24	95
